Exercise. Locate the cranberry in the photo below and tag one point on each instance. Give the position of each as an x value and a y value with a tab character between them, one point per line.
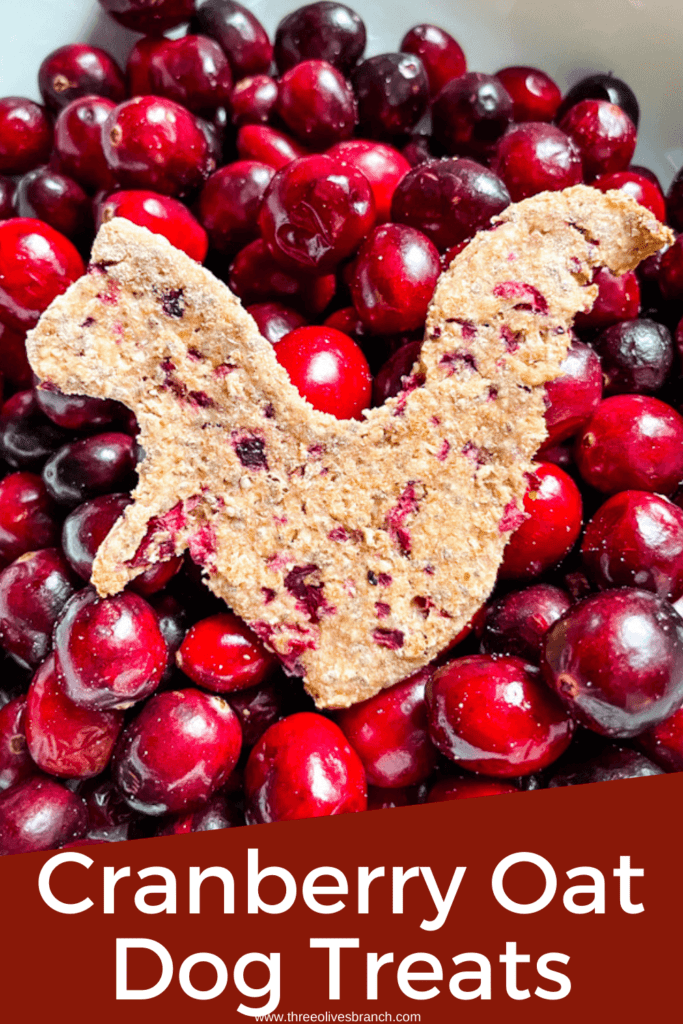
109	814
382	165
674	202
160	214
57	200
15	760
230	201
390	379
449	200
517	622
316	103
536	157
618	299
610	764
193	71
25	135
221	654
172	618
328	369
253	100
79	142
267	145
462	788
257	709
303	767
27	437
493	715
442	57
636	356
139	66
14	365
418	150
663	742
321	31
37	264
315	213
534	95
636	186
218	812
153	16
670	277
602	87
40	814
392	91
240	34
470	114
179	750
33	592
274	320
574	395
6	197
109	651
616	661
604	134
553	506
77	412
91	466
632	442
153	143
255	276
380	799
28	516
79	70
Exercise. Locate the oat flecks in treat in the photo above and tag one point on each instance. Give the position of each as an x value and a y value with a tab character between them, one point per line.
299	518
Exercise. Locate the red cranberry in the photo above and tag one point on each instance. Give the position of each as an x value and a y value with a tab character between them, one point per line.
553	506
636	186
40	814
493	715
574	395
389	734
33	592
321	31
674	202
632	442
663	742
392	91
37	263
418	150
536	157
380	799
139	66
267	146
153	143
160	214
192	71
618	299
25	135
79	143
274	320
442	57
604	134
219	812
230	202
153	16
670	277
58	201
155	578
79	70
470	114
15	760
303	767
179	750
109	651
14	365
610	764
253	100
636	356
28	516
6	197
257	709
449	200
77	412
240	34
382	165
222	654
534	95
616	661
316	103
109	815
450	788
27	437
328	369
602	87
91	466
391	378
517	622
255	276
394	279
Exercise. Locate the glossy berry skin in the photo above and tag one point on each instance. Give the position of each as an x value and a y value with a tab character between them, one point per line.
389	734
149	16
604	135
65	740
470	114
33	593
192	71
450	788
674	202
609	765
618	299
663	743
536	157
253	100
258	708
616	661
554	509
316	103
109	651
79	142
274	320
153	143
394	278
574	395
442	57
37	264
14	364
320	31
27	437
139	65
534	95
221	654
79	70
636	356
239	33
160	214
40	814
382	165
632	442
391	377
303	767
315	213
91	466
29	519
493	715
449	200
636	540
177	752
218	812
638	187
78	412
517	622
25	135
255	276
328	369
230	202
267	145
86	527
392	90
58	201
670	277
6	197
602	87
15	761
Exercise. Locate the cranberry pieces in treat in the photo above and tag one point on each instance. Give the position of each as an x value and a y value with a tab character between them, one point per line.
321	31
392	91
222	654
37	263
534	95
33	592
536	157
604	135
79	70
328	369
442	57
40	814
165	216
470	114
156	17
29	519
230	201
316	103
25	135
239	33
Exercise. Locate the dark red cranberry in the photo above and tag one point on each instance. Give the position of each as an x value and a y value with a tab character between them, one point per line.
315	213
663	742
37	264
303	767
321	31
152	16
536	157
109	815
389	734
139	66
230	201
192	71
57	200
517	622
328	369
258	708
382	165
534	95
219	812
381	799
90	467
179	750
316	103
33	592
160	214
77	412
274	320
40	814
29	519
616	661
109	651
470	114
239	33
670	277
25	135
397	369
455	788
6	197
27	437
79	143
553	506
602	87
674	202
15	760
610	764
604	135
172	617
618	299
14	364
494	715
266	145
255	276
153	143
632	442
636	186
636	356
418	150
79	70
449	200
574	395
253	100
222	654
442	57
394	279
392	91
156	577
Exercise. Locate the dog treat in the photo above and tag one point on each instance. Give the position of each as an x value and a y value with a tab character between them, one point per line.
356	550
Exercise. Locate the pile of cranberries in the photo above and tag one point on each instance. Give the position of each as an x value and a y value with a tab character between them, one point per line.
329	190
